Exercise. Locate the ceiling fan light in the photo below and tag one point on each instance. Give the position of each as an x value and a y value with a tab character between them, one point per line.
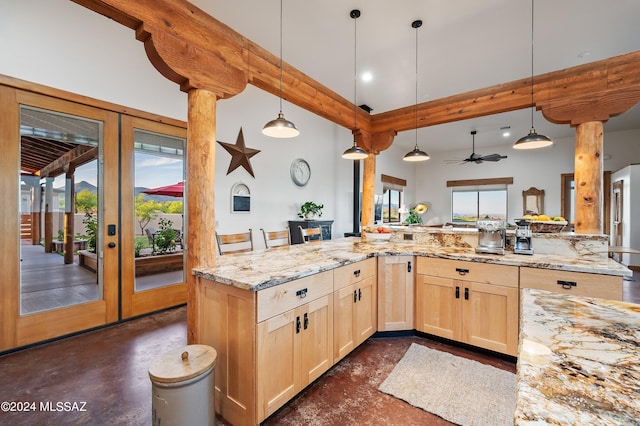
533	141
416	155
280	128
355	153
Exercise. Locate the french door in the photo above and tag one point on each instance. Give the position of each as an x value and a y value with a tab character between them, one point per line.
67	178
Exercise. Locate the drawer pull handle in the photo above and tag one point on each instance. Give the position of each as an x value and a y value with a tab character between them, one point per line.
302	293
462	271
567	284
356	273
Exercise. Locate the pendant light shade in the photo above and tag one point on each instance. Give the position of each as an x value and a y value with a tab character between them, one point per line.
417	154
355	152
533	140
280	127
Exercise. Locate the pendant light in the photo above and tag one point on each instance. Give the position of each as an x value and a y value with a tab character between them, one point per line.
355	152
533	140
280	127
416	154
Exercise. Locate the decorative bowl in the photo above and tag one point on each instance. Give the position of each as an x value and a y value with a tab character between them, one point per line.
376	237
547	226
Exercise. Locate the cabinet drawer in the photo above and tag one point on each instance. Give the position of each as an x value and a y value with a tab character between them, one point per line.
281	298
572	283
350	274
469	271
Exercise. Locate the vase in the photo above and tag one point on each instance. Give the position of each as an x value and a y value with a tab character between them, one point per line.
309	216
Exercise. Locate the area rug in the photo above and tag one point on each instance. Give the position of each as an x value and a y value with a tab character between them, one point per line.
457	389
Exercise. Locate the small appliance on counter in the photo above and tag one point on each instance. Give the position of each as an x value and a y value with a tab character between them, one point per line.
491	236
522	242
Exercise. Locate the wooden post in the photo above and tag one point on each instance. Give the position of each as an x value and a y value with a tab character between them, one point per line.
588	178
368	190
69	216
201	158
48	215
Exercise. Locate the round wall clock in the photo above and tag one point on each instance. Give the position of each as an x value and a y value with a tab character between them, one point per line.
300	172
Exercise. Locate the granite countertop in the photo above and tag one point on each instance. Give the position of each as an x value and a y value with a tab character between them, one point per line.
578	361
265	268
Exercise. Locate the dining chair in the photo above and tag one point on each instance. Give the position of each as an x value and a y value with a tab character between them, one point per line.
234	243
276	238
310	235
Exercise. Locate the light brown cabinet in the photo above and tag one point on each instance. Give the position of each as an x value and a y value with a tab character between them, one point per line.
355	306
572	283
294	348
470	302
396	293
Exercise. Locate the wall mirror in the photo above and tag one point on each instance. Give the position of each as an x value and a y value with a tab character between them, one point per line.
533	201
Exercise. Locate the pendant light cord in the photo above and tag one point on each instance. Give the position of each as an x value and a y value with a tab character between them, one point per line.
281	56
532	102
416	107
355	75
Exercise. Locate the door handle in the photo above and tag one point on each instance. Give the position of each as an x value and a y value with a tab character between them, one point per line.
457	292
298	325
359	293
409	266
466	293
111	244
355	296
306	320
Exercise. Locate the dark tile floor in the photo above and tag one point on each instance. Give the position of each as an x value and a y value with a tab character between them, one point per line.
108	369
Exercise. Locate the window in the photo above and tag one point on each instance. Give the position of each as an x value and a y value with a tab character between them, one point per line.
479	199
471	205
391	200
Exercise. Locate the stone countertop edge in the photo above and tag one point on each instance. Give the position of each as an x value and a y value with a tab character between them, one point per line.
262	269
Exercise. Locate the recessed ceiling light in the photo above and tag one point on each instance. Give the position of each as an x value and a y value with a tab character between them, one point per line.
367	76
583	54
506	131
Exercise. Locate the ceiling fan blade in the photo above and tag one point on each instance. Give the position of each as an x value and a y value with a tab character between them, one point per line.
493	157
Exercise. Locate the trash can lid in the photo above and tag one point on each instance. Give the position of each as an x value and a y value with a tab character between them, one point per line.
183	363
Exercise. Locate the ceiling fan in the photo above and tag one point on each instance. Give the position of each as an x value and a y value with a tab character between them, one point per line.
476	158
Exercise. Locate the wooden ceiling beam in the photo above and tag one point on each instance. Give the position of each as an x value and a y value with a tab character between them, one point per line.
195	50
72	159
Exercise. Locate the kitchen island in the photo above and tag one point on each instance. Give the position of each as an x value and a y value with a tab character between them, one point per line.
280	318
578	361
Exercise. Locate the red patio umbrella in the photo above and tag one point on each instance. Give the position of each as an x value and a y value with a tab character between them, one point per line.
175	190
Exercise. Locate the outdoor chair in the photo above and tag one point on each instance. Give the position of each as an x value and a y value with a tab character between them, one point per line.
151	235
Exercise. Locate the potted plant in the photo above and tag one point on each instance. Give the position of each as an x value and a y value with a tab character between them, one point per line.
413	218
310	210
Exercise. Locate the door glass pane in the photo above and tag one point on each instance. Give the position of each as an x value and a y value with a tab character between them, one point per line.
59	210
158	209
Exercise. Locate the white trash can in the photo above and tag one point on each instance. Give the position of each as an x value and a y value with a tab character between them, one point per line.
182	386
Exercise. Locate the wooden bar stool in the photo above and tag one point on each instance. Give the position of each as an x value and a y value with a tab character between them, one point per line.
234	243
276	238
310	235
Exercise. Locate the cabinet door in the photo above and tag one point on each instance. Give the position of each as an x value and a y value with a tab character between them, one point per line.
365	313
344	340
395	293
278	362
490	317
438	306
317	338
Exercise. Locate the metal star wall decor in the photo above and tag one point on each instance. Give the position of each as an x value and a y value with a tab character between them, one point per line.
240	154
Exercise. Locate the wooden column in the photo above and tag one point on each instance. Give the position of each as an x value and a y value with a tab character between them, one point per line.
48	215
36	202
368	190
201	158
69	216
588	178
